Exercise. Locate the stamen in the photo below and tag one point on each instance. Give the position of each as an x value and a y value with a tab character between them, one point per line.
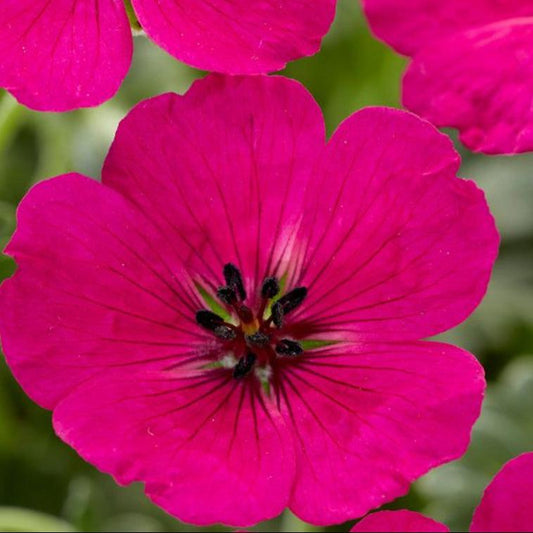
227	295
258	339
270	288
212	322
292	299
244	366
233	278
288	347
277	314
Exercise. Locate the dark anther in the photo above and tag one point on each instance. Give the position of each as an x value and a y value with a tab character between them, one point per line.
258	339
233	278
225	332
286	304
288	347
292	299
215	324
208	320
244	366
270	287
277	314
227	295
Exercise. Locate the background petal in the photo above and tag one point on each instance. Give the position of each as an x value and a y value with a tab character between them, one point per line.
394	246
409	25
507	504
63	54
221	170
209	449
236	36
96	288
479	82
399	521
371	418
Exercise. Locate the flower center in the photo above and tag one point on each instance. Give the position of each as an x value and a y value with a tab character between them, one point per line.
257	340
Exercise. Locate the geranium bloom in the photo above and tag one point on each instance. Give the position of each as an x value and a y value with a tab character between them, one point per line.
57	55
471	68
506	505
233	315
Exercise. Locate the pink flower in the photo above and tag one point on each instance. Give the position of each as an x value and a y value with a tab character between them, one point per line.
471	68
136	312
507	505
58	55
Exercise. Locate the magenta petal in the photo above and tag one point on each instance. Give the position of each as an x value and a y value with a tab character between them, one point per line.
221	170
481	83
397	521
236	36
209	449
63	54
409	25
371	418
93	290
507	504
397	246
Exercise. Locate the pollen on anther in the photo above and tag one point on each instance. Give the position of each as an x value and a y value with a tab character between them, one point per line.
289	347
244	365
227	295
258	338
270	287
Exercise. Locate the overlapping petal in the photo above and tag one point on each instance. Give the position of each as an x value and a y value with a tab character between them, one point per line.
209	448
394	245
410	25
479	82
236	36
371	418
507	504
58	55
96	288
400	521
222	169
472	66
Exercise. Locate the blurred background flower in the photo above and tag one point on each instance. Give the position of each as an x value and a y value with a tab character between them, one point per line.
45	486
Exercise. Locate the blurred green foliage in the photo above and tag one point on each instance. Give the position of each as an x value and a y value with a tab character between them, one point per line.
39	474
